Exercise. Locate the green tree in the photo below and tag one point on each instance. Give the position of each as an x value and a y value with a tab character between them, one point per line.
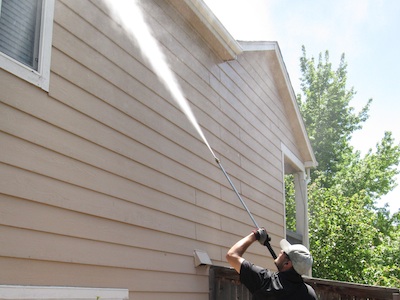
290	204
384	268
351	239
329	119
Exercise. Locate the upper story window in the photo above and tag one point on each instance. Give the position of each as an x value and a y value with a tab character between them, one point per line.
25	39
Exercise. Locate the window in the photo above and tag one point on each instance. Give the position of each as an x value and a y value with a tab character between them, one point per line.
25	39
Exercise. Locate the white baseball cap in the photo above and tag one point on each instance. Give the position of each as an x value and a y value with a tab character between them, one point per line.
299	255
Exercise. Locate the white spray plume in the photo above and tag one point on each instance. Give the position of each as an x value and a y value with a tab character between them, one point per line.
131	18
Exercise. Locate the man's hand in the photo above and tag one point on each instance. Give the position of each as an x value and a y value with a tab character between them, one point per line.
261	236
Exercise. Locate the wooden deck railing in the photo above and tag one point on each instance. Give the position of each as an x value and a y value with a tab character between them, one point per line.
333	290
225	284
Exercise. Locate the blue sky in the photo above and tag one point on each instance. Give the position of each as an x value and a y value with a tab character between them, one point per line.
366	31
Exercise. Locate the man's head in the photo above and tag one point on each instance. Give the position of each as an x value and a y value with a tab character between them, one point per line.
296	256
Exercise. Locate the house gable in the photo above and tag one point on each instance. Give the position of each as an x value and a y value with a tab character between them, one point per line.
227	48
284	86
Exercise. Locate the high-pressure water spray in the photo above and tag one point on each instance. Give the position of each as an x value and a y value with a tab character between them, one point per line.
131	18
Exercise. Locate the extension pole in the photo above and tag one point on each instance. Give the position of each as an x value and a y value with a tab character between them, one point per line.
237	193
267	244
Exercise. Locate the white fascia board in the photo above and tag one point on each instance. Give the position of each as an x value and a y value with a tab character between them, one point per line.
211	29
204	13
293	158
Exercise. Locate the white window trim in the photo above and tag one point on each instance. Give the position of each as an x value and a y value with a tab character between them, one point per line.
40	78
61	292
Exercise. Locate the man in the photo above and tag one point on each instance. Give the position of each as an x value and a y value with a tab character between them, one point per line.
287	283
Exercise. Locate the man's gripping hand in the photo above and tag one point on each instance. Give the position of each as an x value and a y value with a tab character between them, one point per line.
261	236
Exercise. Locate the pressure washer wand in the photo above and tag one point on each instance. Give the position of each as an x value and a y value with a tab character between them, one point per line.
237	193
267	244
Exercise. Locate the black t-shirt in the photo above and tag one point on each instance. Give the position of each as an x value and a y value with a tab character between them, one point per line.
264	284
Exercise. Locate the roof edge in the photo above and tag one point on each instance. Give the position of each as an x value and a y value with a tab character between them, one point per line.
203	20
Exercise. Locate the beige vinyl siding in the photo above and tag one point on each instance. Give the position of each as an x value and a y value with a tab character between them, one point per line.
258	65
174	131
105	183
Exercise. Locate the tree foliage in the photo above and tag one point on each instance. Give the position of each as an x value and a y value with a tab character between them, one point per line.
351	239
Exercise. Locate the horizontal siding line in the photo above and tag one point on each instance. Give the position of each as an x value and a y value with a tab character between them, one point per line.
69	274
189	67
122	217
198	90
273	121
180	144
101	262
259	72
259	251
188	45
104	180
201	157
119	233
250	134
158	232
116	197
245	108
262	76
275	98
205	207
108	149
192	150
250	104
264	92
244	219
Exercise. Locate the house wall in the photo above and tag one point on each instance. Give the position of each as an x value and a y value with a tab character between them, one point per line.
104	182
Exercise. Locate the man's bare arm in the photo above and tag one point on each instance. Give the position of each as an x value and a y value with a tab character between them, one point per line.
235	254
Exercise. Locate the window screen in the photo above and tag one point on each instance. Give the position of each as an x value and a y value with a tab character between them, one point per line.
20	30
